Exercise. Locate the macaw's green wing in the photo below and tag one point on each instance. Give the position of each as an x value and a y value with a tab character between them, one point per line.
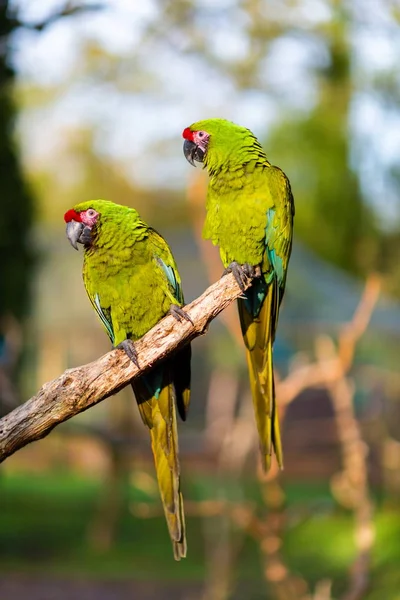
278	243
164	259
104	313
180	362
279	228
259	312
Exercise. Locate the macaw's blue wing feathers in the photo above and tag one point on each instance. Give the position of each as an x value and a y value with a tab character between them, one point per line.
181	367
166	263
104	314
255	296
180	363
271	235
171	276
279	227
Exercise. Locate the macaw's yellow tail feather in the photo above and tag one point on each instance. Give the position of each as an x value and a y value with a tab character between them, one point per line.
159	415
258	334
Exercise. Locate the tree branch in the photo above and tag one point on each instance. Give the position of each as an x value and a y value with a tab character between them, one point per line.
80	388
68	11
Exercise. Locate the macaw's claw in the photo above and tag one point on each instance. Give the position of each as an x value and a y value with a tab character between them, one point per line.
242	273
179	314
129	348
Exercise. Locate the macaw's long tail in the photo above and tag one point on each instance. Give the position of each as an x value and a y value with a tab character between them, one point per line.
155	394
258	317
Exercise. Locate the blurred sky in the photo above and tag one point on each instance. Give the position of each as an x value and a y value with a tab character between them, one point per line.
179	87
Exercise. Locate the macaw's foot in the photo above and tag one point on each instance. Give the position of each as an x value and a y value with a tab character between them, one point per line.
242	273
179	314
129	348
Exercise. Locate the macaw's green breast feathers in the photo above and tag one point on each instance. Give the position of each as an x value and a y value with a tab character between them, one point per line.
129	272
238	195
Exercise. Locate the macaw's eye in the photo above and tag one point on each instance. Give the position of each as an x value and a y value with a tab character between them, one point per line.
201	134
91	212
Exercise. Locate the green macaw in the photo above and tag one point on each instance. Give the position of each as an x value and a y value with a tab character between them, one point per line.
250	212
132	282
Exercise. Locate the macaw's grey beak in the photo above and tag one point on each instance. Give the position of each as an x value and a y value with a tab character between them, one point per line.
74	232
192	152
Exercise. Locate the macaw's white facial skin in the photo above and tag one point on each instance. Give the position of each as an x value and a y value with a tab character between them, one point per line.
200	138
195	145
89	217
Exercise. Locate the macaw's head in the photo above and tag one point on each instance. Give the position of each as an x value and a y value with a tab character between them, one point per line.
86	220
217	142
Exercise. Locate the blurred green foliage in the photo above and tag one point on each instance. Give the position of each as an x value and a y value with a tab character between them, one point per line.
315	145
44	523
332	217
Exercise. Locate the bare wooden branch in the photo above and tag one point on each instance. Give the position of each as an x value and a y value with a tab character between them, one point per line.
80	388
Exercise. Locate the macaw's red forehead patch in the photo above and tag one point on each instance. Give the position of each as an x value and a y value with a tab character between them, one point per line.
72	215
187	134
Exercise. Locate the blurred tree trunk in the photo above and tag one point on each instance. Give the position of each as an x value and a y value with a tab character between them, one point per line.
16	217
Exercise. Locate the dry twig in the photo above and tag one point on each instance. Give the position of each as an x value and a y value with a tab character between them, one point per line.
330	371
351	485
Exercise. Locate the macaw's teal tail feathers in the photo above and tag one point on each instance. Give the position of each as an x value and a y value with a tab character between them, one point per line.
181	370
159	414
258	323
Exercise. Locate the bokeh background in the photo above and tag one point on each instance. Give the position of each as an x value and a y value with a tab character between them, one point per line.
93	99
